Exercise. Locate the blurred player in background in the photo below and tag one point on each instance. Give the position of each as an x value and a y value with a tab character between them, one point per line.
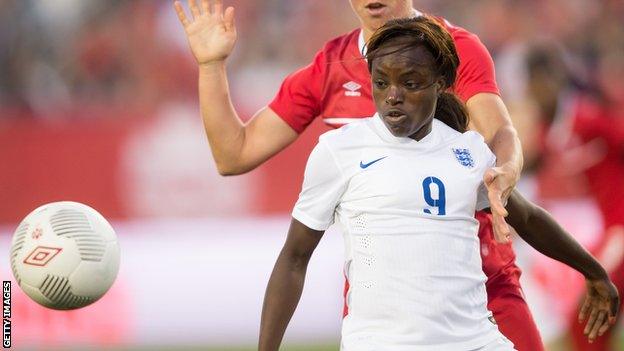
596	135
388	235
335	86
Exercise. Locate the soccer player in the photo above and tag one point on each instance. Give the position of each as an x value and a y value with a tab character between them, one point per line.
598	120
336	87
404	186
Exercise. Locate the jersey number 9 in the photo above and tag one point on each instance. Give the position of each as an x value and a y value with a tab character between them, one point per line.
440	201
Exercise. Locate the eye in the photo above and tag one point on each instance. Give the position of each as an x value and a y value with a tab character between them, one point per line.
380	84
412	85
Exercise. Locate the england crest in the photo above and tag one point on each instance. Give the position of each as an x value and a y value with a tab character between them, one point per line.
464	157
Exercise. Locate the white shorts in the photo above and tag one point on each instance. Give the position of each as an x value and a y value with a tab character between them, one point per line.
500	344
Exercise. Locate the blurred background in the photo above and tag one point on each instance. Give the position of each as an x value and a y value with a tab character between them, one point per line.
98	104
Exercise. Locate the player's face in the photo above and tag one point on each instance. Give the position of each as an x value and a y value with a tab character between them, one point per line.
375	13
405	90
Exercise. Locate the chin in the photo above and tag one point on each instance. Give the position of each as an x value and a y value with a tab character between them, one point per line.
398	132
374	23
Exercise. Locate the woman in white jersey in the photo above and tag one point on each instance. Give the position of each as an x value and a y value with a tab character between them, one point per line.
404	186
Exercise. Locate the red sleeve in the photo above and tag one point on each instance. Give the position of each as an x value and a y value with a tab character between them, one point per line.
298	101
591	123
476	67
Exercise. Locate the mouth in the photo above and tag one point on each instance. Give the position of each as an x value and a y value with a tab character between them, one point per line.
394	117
376	9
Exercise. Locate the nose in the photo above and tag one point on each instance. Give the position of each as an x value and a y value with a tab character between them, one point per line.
395	96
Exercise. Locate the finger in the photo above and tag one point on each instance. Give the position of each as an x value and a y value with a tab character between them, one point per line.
496	204
228	19
194	8
181	15
489	176
604	327
593	333
584	309
501	229
506	195
592	318
205	5
218	8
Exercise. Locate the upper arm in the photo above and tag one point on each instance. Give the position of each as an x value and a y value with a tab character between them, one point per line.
323	187
476	86
488	115
475	73
277	125
301	241
298	100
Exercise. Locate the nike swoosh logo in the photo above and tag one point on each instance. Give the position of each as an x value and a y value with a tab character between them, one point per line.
365	165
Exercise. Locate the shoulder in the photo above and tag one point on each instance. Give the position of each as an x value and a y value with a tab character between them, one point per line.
447	133
469	142
349	134
461	36
474	138
341	45
476	146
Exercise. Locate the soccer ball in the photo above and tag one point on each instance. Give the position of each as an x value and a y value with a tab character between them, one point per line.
64	255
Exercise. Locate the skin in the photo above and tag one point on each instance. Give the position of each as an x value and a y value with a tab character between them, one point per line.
239	147
405	81
405	85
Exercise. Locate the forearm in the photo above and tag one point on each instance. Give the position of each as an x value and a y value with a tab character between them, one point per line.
281	299
489	117
505	144
544	234
223	127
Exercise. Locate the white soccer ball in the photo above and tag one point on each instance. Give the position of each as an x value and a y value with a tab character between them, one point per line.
65	255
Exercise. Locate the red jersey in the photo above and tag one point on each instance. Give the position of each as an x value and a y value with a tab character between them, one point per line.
605	178
337	86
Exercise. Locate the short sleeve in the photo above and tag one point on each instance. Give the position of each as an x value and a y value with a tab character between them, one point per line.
476	73
482	194
298	100
323	187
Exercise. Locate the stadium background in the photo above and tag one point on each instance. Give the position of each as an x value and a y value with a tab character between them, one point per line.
98	104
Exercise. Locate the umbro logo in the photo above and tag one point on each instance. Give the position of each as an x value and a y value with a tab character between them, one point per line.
365	165
351	88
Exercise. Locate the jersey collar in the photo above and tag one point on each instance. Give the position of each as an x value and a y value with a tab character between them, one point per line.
362	42
429	140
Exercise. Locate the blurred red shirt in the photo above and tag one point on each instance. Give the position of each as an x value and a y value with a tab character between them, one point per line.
597	123
336	86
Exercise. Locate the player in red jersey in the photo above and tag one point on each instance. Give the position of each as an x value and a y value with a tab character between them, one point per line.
336	87
599	125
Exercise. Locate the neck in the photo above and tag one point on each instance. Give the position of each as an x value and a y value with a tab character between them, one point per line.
423	131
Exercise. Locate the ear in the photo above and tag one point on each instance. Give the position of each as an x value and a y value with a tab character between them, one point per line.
440	85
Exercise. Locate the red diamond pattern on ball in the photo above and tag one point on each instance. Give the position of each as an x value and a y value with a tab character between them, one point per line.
41	255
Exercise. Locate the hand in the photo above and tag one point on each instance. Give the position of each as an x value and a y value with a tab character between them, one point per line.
211	34
601	305
500	181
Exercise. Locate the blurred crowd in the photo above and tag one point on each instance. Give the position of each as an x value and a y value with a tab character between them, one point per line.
127	58
106	59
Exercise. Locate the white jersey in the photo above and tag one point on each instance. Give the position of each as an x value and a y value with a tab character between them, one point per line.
406	209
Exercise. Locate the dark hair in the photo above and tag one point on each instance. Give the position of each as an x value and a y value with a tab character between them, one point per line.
425	31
